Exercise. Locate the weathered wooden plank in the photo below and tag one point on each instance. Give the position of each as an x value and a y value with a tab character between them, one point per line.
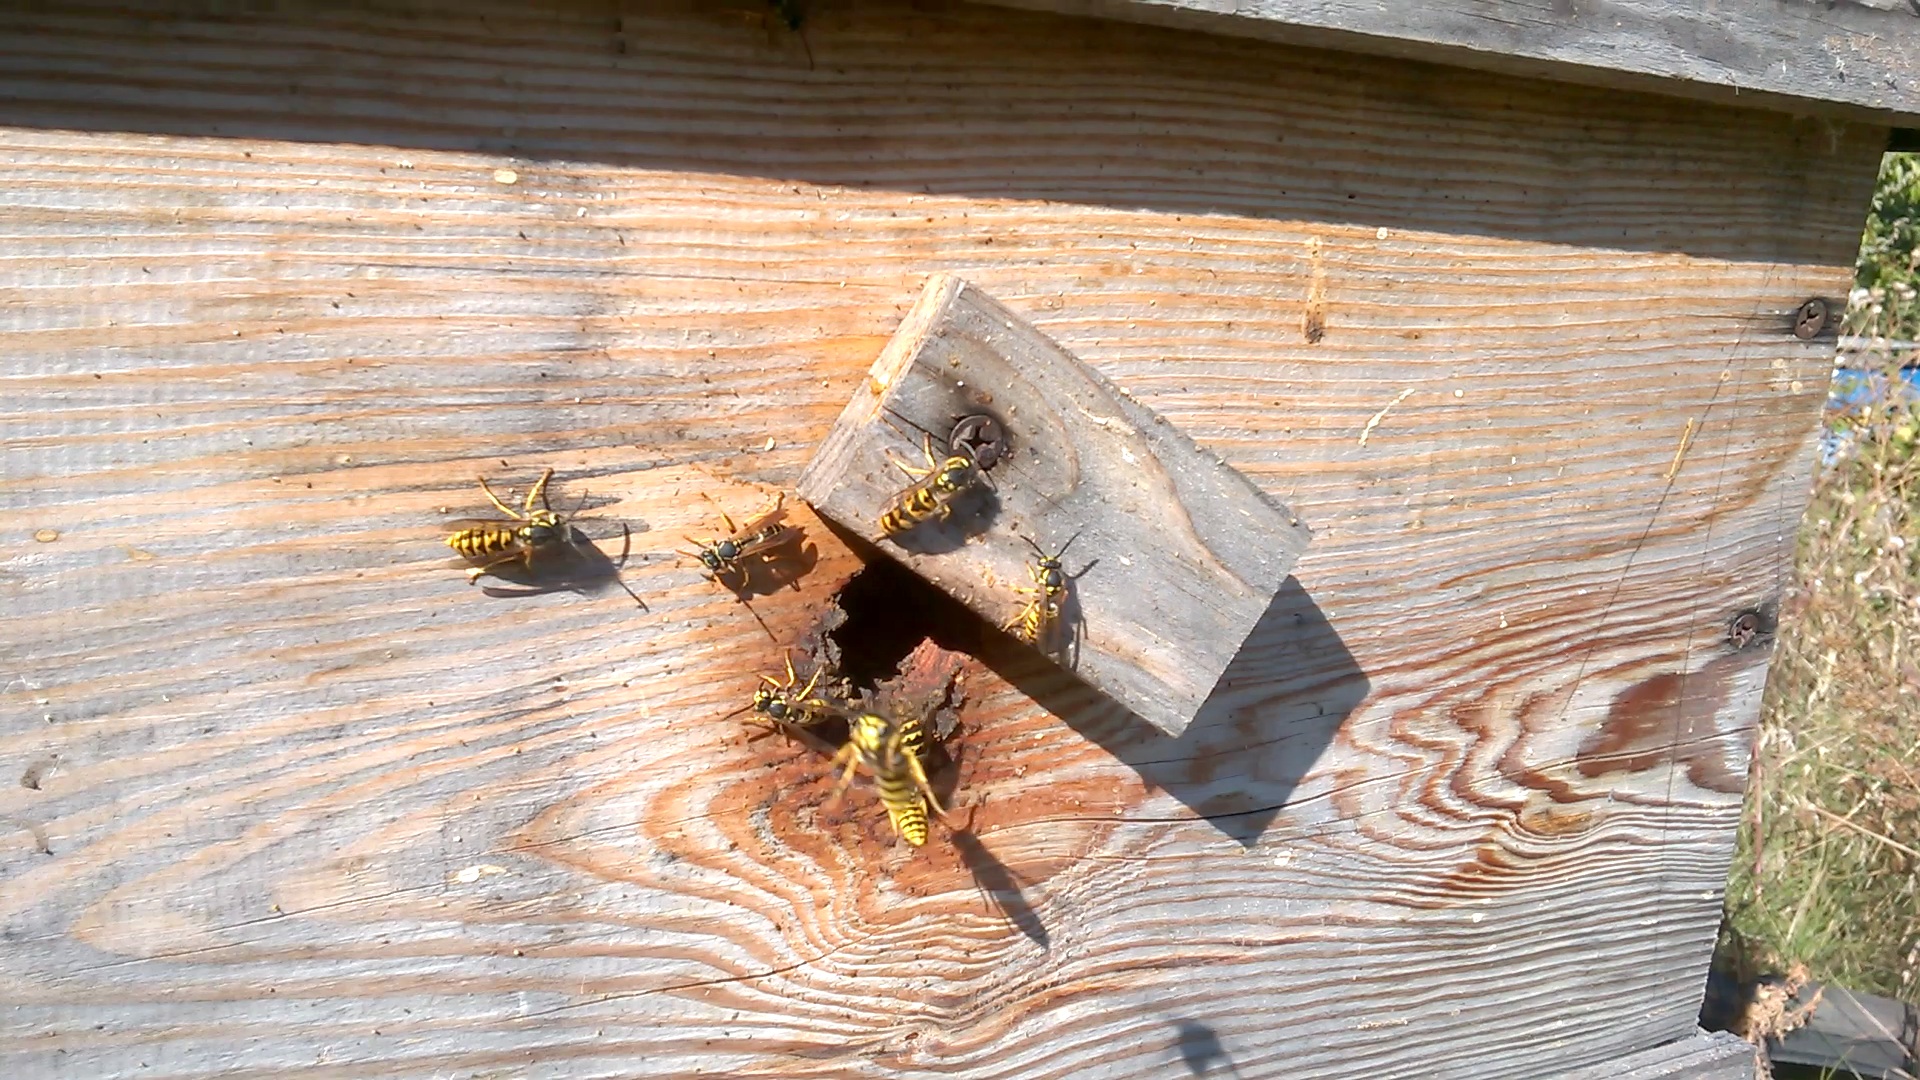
1857	61
1193	552
1707	1055
1465	811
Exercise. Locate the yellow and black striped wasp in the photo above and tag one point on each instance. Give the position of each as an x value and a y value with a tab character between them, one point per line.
1039	623
935	487
526	536
787	706
733	557
890	750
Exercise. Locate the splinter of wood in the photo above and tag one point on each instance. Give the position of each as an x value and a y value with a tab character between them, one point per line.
1181	554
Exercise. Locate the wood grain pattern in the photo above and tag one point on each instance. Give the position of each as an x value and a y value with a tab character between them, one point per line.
276	284
1857	61
1193	552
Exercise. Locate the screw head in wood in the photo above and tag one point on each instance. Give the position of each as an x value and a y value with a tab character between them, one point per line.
1810	319
980	437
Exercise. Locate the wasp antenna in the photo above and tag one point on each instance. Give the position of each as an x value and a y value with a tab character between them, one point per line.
539	491
1069	543
495	499
577	503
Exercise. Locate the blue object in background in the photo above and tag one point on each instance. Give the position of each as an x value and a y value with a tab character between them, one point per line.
1857	390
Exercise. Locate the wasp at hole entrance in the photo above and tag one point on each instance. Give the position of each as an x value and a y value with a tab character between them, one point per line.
788	707
890	750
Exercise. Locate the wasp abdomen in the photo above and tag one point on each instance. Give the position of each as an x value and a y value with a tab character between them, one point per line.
904	807
479	542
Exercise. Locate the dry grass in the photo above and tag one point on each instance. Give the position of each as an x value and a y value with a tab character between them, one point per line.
1828	869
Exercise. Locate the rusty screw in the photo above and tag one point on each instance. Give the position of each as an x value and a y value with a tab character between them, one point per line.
1744	628
1810	319
980	437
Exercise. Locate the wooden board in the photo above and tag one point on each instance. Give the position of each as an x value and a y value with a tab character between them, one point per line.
1857	61
1704	1056
1193	553
276	284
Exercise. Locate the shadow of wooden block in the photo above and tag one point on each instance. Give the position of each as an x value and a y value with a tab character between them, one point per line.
1175	555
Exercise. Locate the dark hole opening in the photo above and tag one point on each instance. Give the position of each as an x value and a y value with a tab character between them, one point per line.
889	612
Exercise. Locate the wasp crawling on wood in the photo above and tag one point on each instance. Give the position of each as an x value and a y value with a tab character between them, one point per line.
527	535
1039	623
933	492
891	750
734	555
734	559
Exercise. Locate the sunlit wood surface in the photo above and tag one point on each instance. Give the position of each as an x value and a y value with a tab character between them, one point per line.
292	798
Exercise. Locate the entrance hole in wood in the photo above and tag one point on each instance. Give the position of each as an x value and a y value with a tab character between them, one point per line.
889	611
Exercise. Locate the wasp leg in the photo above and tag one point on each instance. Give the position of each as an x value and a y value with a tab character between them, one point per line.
806	690
474	573
851	754
911	472
920	780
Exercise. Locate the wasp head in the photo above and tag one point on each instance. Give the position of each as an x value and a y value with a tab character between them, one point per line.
955	474
541	529
770	703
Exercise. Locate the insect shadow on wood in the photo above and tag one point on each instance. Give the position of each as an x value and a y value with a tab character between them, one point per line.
577	566
794	15
1272	713
998	883
1200	1049
774	14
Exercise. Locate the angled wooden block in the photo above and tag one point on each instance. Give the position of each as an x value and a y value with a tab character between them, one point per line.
1174	554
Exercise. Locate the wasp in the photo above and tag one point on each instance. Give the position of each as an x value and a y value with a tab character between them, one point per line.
891	751
1038	623
528	534
784	707
933	492
760	536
